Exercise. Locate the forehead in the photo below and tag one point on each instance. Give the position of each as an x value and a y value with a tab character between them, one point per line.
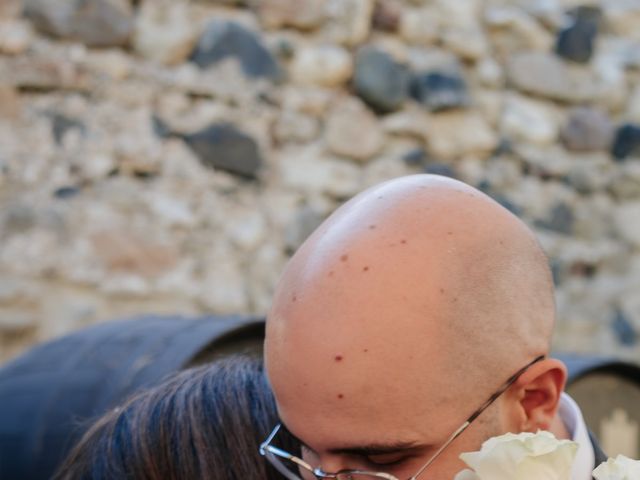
358	392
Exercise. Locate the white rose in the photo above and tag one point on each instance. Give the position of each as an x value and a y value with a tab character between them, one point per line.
525	456
620	468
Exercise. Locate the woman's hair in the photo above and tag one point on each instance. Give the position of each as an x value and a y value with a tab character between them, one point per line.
203	423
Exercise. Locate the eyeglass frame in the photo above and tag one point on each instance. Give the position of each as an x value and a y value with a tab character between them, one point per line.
272	453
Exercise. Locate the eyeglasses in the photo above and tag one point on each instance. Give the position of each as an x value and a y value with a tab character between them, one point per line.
290	466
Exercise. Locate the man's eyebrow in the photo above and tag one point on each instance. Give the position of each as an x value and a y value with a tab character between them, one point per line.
364	450
376	449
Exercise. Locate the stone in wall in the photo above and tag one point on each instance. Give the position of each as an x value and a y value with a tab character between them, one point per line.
307	170
587	129
226	147
455	134
15	37
548	76
626	222
348	21
301	14
528	120
223	39
353	131
323	65
164	32
380	80
576	42
626	142
96	23
440	91
127	143
512	30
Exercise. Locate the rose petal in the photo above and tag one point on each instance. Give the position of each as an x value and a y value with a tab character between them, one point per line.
620	468
466	475
523	456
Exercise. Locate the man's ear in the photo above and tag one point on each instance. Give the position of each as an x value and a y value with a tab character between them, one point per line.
537	395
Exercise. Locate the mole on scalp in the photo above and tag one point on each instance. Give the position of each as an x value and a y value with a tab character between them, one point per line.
338	358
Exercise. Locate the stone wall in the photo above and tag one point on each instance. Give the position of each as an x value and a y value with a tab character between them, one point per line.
167	156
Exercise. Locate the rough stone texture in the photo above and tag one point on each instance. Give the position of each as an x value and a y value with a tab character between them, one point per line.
324	65
348	21
626	222
419	26
164	32
353	131
224	146
511	29
587	130
439	91
633	107
15	37
529	120
124	170
379	80
386	15
577	41
626	142
96	23
546	75
456	134
304	15
224	39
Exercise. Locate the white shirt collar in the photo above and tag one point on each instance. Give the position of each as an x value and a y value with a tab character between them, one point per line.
571	415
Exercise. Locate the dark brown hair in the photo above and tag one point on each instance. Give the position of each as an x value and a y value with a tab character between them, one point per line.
203	423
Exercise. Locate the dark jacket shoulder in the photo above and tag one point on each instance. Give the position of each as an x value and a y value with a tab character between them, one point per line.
599	454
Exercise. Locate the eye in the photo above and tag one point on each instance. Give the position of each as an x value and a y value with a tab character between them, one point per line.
387	459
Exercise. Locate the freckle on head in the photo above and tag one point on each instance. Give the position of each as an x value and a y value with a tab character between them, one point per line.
365	269
340	396
344	258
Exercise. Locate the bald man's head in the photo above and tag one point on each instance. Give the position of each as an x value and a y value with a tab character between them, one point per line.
409	296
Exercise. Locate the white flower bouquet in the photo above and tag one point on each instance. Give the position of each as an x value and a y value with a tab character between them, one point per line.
537	456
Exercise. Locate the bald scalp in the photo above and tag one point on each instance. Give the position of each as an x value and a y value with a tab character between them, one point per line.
432	275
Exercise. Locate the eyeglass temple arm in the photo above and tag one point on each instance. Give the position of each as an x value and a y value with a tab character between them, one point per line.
477	413
504	388
455	435
264	444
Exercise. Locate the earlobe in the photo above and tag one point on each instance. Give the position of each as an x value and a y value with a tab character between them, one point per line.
540	390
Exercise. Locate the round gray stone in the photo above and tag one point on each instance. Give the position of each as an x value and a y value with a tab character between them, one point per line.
379	80
224	39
